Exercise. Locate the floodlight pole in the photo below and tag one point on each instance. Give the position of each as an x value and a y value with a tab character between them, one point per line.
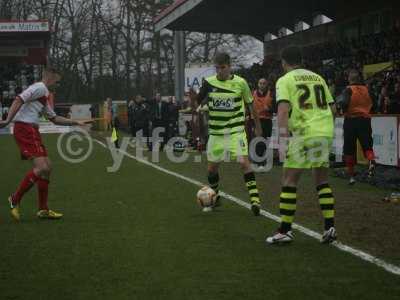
179	59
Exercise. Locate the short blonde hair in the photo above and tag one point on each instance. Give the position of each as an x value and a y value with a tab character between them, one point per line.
50	72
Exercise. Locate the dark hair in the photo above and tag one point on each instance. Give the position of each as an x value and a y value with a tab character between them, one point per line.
292	55
18	90
355	76
222	58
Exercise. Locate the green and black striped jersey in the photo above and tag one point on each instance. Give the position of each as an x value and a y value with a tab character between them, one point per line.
226	102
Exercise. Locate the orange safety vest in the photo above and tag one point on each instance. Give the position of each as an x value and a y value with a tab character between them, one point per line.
360	103
262	103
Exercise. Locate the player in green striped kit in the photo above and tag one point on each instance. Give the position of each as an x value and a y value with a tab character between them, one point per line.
306	114
226	95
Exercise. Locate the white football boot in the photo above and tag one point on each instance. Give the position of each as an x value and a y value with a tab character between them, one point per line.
280	238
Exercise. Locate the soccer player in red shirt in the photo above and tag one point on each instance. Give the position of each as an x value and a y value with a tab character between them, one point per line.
25	112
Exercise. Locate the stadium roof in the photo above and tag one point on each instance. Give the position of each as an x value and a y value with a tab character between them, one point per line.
252	17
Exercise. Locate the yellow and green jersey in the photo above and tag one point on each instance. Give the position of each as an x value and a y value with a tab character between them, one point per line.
309	98
226	103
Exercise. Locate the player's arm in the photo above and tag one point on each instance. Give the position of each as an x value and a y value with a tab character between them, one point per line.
58	120
283	118
283	98
30	94
330	100
346	99
254	114
333	109
15	107
283	128
248	99
284	106
201	97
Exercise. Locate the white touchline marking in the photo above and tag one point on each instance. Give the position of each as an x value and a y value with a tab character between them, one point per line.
358	253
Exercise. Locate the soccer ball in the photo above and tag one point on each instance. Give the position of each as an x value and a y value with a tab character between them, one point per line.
206	197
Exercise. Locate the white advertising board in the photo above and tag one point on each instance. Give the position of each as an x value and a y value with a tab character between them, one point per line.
80	112
337	147
385	135
194	76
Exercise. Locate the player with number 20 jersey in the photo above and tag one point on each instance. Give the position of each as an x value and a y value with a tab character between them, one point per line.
310	117
305	117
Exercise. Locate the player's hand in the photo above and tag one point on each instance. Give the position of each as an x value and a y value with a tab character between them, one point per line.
282	150
282	155
3	124
283	146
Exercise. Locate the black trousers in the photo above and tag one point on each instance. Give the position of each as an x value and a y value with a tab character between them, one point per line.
136	128
357	128
173	130
160	124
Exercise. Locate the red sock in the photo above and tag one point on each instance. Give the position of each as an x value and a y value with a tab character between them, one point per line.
43	192
24	186
350	163
369	154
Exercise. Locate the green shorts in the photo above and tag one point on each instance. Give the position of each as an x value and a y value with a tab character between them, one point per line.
227	148
308	152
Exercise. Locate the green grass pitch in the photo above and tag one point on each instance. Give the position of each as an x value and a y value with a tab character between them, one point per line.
138	234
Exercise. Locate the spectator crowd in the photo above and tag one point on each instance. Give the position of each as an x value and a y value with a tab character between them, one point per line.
146	115
334	59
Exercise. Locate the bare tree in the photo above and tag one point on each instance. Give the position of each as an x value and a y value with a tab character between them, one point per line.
110	48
